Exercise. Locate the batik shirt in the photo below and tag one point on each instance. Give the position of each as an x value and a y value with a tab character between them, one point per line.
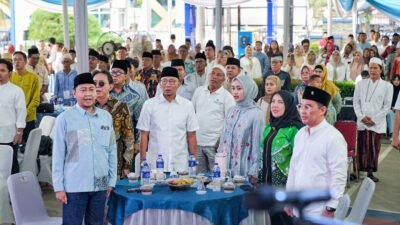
123	132
150	79
134	102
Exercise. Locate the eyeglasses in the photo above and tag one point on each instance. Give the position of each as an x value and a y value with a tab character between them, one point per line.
165	81
305	107
100	83
92	58
115	74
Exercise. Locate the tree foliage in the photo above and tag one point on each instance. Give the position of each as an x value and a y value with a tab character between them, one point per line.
44	25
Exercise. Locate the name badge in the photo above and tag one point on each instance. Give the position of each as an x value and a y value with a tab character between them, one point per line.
66	94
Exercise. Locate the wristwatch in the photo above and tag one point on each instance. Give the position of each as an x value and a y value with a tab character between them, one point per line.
330	209
19	132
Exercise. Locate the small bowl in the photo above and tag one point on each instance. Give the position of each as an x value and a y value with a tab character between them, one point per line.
228	187
132	178
146	189
183	173
238	180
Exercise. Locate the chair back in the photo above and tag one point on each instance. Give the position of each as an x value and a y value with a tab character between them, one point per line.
29	162
26	198
46	124
349	132
137	164
6	158
343	207
362	201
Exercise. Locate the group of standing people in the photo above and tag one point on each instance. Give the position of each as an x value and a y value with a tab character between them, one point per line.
283	139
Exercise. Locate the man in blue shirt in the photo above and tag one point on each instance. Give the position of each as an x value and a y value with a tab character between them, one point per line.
64	83
262	58
84	157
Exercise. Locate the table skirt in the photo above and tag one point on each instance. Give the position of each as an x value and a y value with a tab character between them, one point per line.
181	217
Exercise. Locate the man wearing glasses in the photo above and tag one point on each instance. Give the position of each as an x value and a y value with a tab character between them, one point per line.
198	78
168	126
121	120
124	93
319	157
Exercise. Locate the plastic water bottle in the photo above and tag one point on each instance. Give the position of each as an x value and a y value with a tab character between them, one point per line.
160	164
192	165
60	105
216	174
144	173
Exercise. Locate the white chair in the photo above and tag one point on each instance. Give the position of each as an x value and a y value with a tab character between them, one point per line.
6	159
362	201
27	202
137	164
45	169
343	207
46	124
44	175
29	162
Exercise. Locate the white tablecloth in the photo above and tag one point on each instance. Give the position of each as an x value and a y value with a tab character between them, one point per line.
180	217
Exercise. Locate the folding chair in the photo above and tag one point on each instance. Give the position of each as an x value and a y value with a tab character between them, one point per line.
349	132
362	201
6	159
343	207
27	202
46	124
29	157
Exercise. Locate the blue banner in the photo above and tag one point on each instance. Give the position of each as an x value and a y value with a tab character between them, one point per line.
244	38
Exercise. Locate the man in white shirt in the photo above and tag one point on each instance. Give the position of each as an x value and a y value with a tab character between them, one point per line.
372	101
211	103
199	77
319	157
168	126
12	111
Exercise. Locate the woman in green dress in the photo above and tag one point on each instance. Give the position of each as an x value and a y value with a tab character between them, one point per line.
277	145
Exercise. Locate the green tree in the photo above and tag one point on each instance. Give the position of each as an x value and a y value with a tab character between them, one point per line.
44	25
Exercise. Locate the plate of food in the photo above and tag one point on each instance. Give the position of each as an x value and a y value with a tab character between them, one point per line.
180	184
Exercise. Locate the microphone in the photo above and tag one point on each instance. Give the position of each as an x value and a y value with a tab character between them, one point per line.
266	197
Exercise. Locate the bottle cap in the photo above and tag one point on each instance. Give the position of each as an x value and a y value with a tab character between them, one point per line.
159	155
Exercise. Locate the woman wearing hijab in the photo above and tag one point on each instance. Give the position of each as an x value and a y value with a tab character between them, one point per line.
336	68
355	67
240	138
305	74
277	145
272	84
250	64
331	88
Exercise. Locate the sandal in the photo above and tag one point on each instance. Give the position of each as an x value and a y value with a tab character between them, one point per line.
374	179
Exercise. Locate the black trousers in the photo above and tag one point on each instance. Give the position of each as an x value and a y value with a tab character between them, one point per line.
15	165
28	128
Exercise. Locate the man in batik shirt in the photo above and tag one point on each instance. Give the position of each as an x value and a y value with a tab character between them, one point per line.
148	75
121	121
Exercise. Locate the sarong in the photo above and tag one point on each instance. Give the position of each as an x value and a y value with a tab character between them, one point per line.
368	148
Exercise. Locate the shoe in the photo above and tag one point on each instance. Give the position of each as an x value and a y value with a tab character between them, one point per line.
374	179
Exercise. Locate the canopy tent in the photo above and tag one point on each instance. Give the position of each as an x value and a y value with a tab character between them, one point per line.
56	5
212	3
389	7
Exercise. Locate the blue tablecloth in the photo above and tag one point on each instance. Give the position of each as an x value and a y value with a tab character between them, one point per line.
218	207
